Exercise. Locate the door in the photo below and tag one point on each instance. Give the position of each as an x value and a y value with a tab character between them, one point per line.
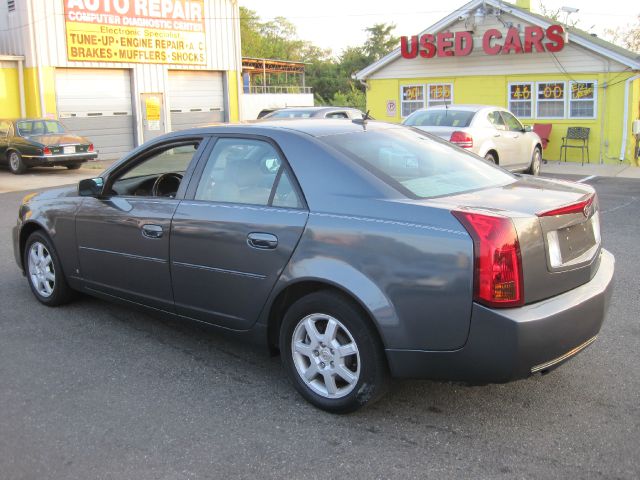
96	103
196	98
123	237
230	243
152	115
501	139
520	144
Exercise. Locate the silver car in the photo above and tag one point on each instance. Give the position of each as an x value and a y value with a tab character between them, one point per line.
490	132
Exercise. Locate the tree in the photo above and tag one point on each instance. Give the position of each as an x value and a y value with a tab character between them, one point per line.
627	37
380	41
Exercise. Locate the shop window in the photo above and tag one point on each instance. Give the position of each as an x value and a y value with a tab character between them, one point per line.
521	99
440	94
582	100
551	100
412	99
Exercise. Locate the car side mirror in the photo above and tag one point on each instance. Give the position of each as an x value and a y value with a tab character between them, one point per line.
91	187
527	128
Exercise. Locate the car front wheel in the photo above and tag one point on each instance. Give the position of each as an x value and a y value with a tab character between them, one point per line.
16	164
332	353
44	271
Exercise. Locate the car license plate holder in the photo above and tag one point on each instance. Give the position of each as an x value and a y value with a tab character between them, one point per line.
68	150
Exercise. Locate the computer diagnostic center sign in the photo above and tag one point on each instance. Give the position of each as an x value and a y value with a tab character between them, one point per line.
136	31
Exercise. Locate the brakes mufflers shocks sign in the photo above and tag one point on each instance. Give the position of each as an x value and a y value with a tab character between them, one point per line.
494	42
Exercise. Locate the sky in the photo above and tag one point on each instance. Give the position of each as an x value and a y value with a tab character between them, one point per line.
336	24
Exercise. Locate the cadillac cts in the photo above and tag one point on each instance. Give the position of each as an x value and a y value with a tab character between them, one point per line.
357	250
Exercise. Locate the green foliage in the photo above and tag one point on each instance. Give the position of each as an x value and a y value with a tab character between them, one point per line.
627	37
331	78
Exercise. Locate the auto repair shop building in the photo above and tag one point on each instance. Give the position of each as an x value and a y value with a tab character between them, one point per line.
495	53
120	71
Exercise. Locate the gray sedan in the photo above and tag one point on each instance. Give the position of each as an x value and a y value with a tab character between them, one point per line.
490	132
357	250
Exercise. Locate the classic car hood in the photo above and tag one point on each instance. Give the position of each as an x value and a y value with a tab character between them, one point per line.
527	195
62	139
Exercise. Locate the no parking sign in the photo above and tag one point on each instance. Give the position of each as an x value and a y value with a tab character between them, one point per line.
391	108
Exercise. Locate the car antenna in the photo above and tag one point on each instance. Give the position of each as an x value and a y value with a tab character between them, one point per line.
363	121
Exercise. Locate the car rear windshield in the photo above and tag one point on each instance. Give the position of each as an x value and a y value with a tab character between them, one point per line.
440	118
39	127
291	114
418	165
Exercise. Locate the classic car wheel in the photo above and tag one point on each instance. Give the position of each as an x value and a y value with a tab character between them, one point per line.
44	273
332	353
536	160
16	165
491	158
74	166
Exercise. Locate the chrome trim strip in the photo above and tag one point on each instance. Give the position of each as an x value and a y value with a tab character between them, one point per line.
220	270
570	353
62	155
127	255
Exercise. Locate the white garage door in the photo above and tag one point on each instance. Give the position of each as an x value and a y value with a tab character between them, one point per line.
196	98
96	103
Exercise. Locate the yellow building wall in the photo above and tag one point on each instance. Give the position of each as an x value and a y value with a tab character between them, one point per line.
234	99
32	92
606	133
9	93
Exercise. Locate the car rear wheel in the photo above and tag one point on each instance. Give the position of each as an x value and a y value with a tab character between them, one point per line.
491	158
44	272
16	165
332	353
74	166
536	160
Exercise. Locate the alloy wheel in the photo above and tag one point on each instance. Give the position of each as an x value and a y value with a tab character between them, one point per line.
325	355
41	269
14	161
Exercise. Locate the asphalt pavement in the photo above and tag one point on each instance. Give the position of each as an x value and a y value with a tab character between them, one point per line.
97	391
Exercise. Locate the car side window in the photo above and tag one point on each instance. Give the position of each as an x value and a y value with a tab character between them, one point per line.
337	115
496	120
513	124
246	171
158	175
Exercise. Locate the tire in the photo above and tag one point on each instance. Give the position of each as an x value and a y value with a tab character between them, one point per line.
491	158
44	272
74	166
16	165
337	382
536	160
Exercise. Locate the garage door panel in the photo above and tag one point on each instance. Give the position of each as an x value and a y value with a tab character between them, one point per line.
195	98
96	103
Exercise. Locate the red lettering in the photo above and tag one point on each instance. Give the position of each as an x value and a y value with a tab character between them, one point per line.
464	44
488	36
512	41
428	48
445	41
409	51
555	33
533	38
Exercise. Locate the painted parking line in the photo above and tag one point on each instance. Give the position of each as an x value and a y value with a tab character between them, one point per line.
586	179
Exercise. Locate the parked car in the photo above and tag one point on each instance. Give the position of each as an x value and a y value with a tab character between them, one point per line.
315	112
355	249
41	142
490	132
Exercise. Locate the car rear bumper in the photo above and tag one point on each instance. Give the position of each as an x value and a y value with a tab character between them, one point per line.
51	160
514	343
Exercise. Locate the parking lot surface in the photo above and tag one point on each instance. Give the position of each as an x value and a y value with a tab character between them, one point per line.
95	390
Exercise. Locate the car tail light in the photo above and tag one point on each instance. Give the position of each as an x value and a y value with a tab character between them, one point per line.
90	149
47	151
584	207
462	139
498	264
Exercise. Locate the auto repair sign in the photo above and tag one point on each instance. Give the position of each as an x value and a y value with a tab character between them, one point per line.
136	31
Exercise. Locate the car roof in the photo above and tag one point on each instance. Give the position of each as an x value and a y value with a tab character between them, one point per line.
463	107
312	109
311	127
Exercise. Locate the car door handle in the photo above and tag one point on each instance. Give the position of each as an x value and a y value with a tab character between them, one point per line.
262	241
152	231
